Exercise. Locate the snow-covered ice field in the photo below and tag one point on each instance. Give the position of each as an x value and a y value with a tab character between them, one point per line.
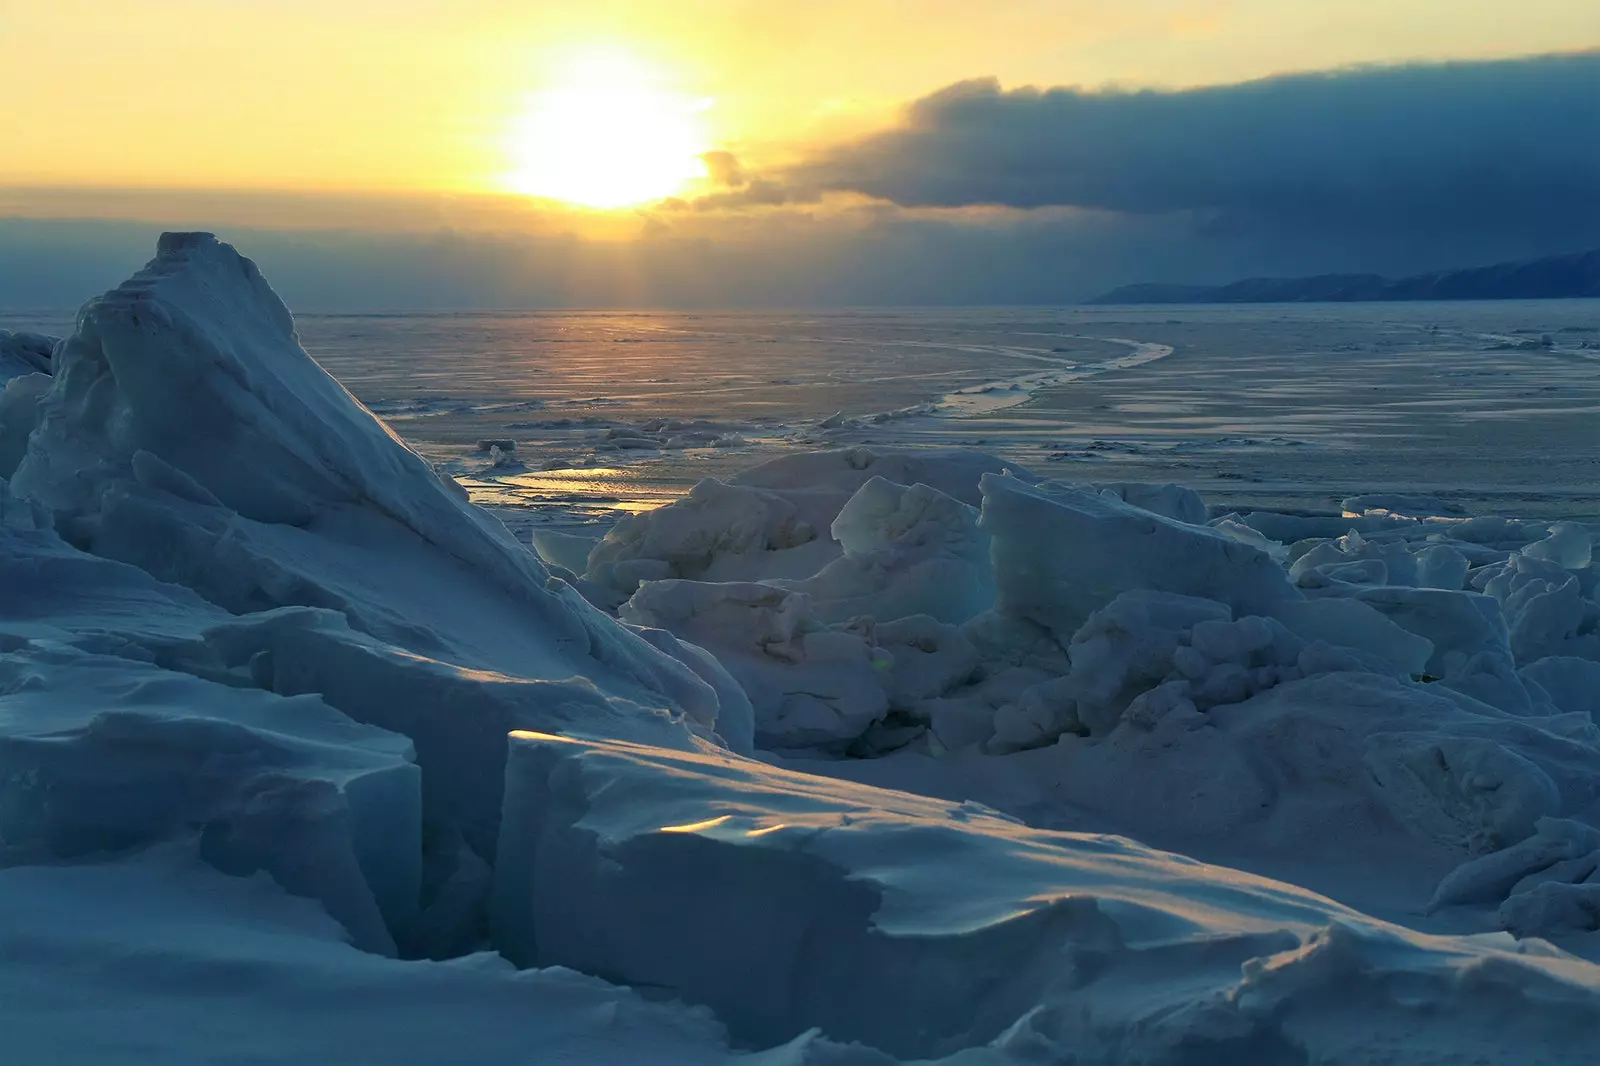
1166	686
1272	405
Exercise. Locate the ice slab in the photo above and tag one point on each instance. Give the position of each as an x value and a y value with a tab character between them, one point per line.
24	353
99	753
921	927
908	550
186	432
1060	554
810	686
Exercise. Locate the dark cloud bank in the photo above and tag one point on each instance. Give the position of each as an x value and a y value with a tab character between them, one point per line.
1389	170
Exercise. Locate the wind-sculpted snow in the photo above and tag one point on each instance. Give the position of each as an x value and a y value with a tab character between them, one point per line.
251	643
786	902
98	753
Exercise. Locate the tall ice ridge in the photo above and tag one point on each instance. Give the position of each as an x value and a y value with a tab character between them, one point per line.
858	757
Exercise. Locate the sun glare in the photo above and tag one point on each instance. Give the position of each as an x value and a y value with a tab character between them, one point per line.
607	134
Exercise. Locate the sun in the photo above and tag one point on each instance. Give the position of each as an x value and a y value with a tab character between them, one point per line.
607	134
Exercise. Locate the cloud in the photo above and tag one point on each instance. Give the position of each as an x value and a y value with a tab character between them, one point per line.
1507	149
724	169
1393	170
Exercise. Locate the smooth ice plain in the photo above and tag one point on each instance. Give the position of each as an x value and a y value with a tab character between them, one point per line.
1173	686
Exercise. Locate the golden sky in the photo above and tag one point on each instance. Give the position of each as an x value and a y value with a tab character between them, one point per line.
430	95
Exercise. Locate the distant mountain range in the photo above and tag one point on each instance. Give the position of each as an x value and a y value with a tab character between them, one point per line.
1555	277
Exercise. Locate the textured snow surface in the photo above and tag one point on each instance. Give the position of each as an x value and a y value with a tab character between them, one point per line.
857	756
24	353
919	927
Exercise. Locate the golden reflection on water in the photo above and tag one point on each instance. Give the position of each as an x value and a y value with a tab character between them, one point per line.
610	487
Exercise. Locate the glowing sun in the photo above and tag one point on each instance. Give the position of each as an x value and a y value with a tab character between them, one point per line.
607	135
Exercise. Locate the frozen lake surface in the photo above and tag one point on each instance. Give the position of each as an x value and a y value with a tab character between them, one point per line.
1489	404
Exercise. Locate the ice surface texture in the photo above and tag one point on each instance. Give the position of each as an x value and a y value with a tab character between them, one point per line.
921	927
249	542
251	644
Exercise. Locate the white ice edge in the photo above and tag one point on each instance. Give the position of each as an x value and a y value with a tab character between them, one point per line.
993	396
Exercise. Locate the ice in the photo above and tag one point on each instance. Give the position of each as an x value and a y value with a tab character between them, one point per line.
717	532
1176	502
734	722
786	902
247	539
19	400
1493	877
907	550
927	658
1455	779
570	551
457	717
832	477
1062	553
1440	566
1461	625
1555	907
1388	562
1354	624
810	685
188	433
1572	684
1568	546
1550	609
1129	646
24	353
158	958
1402	504
251	643
99	754
285	486
1236	530
1290	528
772	521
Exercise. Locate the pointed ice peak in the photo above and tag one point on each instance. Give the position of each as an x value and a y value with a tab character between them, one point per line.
173	243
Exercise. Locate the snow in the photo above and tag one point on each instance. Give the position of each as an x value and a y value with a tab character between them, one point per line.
809	685
100	754
1571	684
634	862
866	755
24	353
907	550
18	400
274	486
159	958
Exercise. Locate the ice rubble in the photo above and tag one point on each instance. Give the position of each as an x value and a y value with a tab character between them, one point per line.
240	529
1355	684
242	622
24	353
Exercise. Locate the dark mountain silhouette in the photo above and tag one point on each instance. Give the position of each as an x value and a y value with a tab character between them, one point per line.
1554	277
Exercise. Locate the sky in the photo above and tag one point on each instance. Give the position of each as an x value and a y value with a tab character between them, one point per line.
509	153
